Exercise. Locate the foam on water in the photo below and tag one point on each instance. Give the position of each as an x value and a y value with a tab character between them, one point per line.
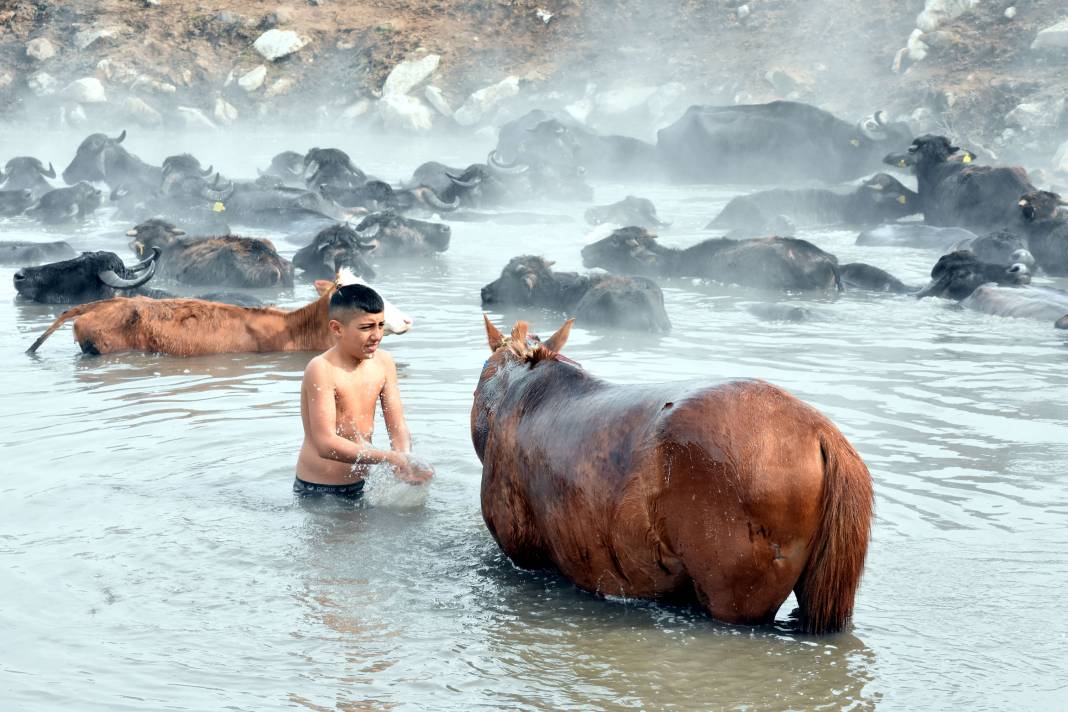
385	490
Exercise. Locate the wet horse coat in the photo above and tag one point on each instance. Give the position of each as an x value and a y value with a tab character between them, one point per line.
736	493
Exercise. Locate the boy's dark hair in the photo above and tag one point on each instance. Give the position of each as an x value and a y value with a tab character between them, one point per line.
354	297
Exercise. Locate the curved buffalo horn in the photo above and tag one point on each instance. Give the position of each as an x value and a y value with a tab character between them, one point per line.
459	181
871	128
215	193
122	137
118	193
111	279
308	168
880	117
516	168
156	252
50	173
207	171
432	199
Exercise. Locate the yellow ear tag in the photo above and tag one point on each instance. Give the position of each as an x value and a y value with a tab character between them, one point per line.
967	158
902	199
218	207
854	141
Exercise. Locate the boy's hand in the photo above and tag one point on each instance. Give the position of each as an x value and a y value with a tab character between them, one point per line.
411	470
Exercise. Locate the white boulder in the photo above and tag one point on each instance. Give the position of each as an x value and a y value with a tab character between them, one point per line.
356	109
916	46
194	118
87	90
1039	115
938	12
1053	37
620	101
253	80
138	110
275	44
85	38
407	75
485	99
407	113
40	49
224	112
151	84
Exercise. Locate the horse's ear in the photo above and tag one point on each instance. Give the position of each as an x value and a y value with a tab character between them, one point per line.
493	334
322	286
556	342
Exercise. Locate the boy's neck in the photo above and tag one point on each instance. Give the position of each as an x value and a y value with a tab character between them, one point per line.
347	359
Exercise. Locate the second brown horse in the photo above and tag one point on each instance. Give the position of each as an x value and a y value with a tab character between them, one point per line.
736	493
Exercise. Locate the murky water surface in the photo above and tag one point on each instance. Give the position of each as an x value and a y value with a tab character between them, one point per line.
153	556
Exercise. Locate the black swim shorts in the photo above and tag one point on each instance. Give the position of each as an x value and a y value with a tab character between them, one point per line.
312	489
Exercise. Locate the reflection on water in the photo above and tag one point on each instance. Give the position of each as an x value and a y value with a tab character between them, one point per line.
155	557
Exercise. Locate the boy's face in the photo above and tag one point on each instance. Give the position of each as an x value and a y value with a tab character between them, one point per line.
360	335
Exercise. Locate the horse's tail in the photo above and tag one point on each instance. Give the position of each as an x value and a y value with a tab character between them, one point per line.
828	584
66	316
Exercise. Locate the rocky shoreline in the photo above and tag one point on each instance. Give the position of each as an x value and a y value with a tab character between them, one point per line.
991	73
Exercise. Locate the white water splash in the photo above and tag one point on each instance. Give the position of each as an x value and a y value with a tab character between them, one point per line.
383	488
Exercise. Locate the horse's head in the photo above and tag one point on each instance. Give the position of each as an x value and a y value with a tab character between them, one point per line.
512	357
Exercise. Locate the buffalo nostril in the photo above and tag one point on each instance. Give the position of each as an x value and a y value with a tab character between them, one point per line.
19	276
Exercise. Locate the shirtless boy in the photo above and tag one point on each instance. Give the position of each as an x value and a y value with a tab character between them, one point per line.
337	403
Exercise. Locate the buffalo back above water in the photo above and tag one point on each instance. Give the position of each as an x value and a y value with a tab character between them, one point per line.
775	142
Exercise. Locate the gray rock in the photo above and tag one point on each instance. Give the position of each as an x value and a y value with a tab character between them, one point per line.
275	44
407	113
194	118
225	112
40	49
1053	37
436	99
6	79
280	87
1039	115
88	37
481	101
153	85
42	83
938	12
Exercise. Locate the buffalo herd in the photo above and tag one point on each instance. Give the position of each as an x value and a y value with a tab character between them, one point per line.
794	503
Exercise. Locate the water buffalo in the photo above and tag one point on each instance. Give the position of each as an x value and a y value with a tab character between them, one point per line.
15	202
229	260
194	327
865	277
1026	302
957	274
879	199
335	247
999	248
65	205
730	494
959	194
397	236
332	168
776	142
287	166
476	186
87	277
548	156
777	263
595	300
21	252
279	207
558	137
1062	323
27	173
1046	229
100	158
631	210
914	235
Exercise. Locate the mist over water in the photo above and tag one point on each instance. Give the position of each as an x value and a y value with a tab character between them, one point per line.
156	558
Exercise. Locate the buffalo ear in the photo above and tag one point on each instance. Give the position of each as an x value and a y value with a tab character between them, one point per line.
493	334
556	342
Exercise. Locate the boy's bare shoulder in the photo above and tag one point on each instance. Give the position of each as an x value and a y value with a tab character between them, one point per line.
385	358
318	367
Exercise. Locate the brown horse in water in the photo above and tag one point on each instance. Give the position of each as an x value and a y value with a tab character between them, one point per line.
737	493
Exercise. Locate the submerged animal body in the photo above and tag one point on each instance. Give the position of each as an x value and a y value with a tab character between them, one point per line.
734	494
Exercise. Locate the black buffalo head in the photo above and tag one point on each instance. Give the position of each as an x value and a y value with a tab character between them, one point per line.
93	157
630	211
957	274
397	236
630	250
335	247
1040	205
27	172
88	277
525	281
633	303
15	202
154	233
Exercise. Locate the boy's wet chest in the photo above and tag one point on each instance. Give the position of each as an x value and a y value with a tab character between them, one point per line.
355	395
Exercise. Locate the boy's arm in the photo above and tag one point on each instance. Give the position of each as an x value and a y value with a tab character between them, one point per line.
400	438
318	388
